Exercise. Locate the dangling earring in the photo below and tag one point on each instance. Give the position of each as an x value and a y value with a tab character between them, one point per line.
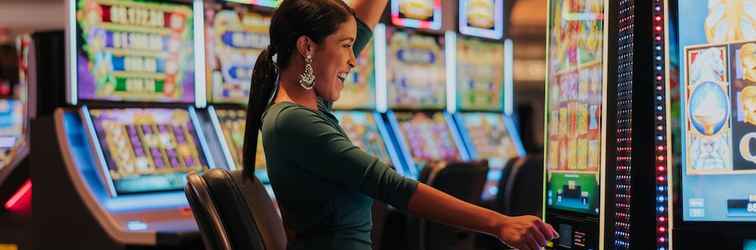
307	78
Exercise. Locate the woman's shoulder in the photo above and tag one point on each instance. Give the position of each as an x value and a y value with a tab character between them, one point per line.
286	116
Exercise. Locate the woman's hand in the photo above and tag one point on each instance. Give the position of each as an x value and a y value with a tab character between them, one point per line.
525	232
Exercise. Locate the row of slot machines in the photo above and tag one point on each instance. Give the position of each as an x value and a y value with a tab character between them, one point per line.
156	90
649	125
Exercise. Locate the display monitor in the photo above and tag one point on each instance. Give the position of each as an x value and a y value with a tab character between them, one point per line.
482	18
423	14
146	150
232	124
12	128
263	3
575	103
488	137
480	75
426	137
133	51
416	71
717	52
234	38
364	130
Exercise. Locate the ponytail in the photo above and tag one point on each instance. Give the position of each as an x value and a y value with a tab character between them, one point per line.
262	91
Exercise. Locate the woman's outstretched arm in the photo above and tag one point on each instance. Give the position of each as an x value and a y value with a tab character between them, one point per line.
522	232
369	11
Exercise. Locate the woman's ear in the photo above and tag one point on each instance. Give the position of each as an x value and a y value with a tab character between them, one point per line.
305	46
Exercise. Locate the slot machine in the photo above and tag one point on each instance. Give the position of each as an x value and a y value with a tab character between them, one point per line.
576	123
416	85
710	66
235	34
483	89
119	151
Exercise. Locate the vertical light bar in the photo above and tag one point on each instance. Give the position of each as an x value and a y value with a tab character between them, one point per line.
379	36
508	77
201	137
222	139
72	90
451	71
663	228
200	86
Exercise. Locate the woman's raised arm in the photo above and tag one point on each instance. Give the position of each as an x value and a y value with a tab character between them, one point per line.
369	11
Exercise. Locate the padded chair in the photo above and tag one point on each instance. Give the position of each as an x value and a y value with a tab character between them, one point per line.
464	180
523	190
233	211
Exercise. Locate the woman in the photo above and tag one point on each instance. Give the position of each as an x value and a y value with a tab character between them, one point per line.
324	185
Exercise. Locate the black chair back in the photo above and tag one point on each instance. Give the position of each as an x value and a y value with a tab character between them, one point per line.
524	188
234	211
463	180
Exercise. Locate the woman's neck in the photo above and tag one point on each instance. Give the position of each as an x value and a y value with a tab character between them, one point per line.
290	91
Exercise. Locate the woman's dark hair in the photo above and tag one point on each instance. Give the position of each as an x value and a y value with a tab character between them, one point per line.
315	19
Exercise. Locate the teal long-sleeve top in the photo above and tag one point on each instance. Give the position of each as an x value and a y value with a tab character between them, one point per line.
325	185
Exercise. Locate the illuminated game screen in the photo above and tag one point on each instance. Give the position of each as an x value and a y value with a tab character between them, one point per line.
416	70
148	150
482	18
232	124
362	130
718	88
134	51
427	137
359	86
424	14
488	137
233	40
480	75
264	3
574	105
11	129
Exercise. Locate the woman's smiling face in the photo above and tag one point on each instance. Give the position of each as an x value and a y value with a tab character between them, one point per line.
333	59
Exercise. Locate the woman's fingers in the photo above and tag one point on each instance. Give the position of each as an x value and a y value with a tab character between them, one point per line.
537	235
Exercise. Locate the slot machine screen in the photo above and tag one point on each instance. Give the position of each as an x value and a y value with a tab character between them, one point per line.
234	38
11	129
480	75
423	14
718	105
416	70
134	51
359	87
264	3
362	130
575	96
147	150
427	137
232	124
482	18
490	138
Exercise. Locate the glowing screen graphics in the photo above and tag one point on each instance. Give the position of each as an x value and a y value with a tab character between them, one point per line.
574	109
148	149
427	137
134	51
482	18
359	86
480	75
718	89
488	138
424	14
362	130
11	129
233	41
416	71
749	245
232	124
264	3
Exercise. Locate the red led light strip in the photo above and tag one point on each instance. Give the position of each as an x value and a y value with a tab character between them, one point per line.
662	190
20	202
